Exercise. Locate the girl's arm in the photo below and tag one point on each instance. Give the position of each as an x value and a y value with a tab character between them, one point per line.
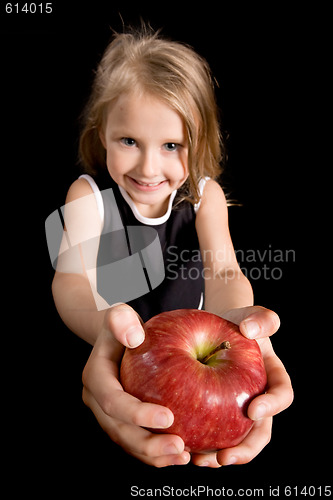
71	288
76	306
121	415
226	287
228	293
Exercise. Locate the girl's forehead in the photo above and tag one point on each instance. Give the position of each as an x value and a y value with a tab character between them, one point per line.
143	109
128	103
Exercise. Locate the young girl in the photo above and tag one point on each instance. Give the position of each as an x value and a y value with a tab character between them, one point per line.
151	149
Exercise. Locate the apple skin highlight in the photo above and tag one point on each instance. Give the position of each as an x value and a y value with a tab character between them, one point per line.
202	368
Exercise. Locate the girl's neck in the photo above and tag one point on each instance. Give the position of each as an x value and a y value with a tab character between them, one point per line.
156	214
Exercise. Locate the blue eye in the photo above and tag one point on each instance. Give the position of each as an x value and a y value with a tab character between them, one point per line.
128	141
171	146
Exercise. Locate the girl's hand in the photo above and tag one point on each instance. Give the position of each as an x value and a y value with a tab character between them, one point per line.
259	323
121	415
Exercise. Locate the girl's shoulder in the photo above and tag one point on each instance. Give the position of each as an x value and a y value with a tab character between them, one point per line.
212	216
212	197
212	222
83	206
85	187
78	189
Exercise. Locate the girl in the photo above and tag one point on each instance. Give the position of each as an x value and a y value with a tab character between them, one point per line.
151	149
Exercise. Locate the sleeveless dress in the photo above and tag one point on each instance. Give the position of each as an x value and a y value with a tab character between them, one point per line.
153	264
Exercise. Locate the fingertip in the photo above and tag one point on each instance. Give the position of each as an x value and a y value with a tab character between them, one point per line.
259	412
181	459
262	323
134	336
206	460
274	322
228	460
249	328
169	460
125	325
163	419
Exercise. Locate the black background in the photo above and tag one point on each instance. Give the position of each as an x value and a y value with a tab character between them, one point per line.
259	56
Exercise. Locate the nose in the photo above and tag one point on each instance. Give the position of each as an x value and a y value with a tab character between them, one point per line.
149	163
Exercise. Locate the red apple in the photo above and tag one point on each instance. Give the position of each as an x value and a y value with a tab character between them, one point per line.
202	368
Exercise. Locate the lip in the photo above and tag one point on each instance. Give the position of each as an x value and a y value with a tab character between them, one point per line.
146	187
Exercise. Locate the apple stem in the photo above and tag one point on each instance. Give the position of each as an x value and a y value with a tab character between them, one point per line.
224	345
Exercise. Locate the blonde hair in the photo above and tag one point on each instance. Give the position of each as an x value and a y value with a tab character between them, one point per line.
170	71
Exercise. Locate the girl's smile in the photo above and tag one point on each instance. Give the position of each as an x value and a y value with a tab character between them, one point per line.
146	150
147	186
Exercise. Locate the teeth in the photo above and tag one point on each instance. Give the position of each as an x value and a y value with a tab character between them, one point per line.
150	185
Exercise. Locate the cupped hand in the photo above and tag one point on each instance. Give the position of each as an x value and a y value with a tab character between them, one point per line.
121	415
259	323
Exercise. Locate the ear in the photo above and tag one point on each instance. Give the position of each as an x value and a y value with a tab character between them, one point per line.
101	135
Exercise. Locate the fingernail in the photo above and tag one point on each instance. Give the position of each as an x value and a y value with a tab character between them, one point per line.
251	328
232	460
182	459
134	336
260	412
171	449
204	464
162	420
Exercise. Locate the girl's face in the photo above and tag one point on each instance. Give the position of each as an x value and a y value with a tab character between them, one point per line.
146	150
